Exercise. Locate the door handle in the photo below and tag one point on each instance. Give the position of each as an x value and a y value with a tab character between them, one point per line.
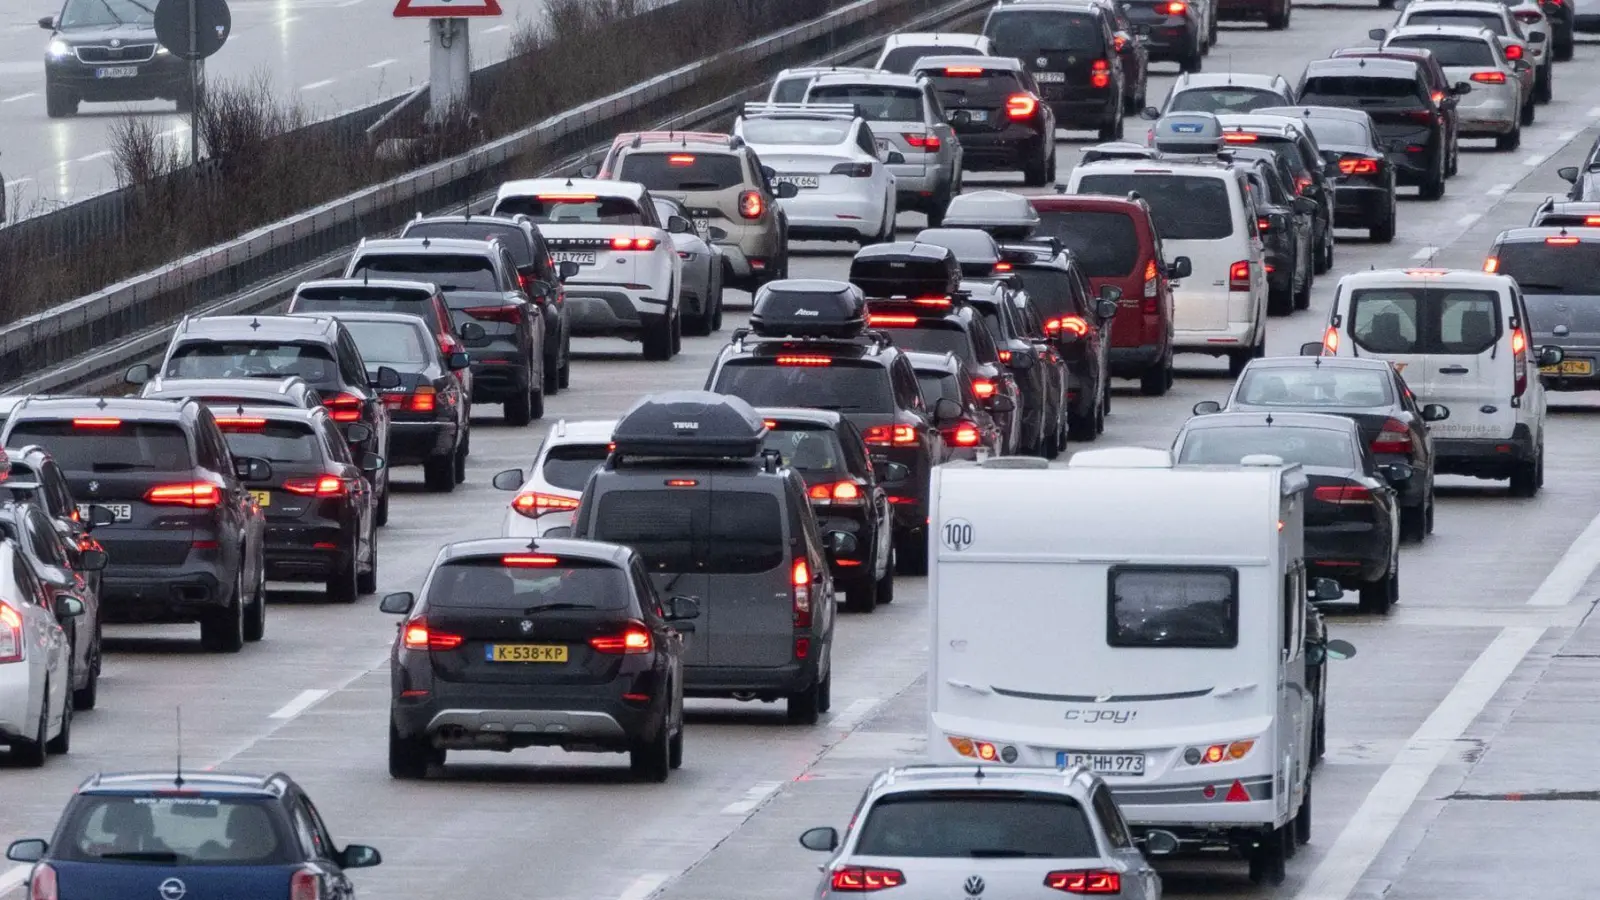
1453	370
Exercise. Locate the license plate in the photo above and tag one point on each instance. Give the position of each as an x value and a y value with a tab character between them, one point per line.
123	511
526	653
1050	77
582	259
799	181
117	72
1103	763
884	146
702	227
264	498
1570	367
979	115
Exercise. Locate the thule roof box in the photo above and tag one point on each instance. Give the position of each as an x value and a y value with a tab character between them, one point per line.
806	110
1007	216
689	425
905	269
1188	132
1118	150
976	250
809	308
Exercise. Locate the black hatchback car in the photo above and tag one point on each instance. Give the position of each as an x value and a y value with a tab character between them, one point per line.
105	51
997	111
1081	74
201	834
548	643
186	543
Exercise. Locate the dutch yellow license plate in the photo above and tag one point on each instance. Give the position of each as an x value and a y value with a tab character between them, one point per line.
264	498
1570	367
526	653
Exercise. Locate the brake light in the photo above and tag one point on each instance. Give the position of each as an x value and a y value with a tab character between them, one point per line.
233	423
528	561
1100	74
1239	276
625	242
890	435
805	360
305	885
1489	77
345	407
983	387
1263	223
534	504
1342	494
11	641
1176	7
1240	137
1021	106
680	159
1561	241
1005	356
1591	220
839	493
634	639
891	321
1425	116
1097	881
1330	341
511	315
1437	97
853	879
1119	43
1394	438
1002	267
800	579
42	883
199	494
1519	359
1077	326
418	636
852	170
96	423
1152	287
751	206
422	399
567	198
1513	52
922	141
965	434
324	486
963	71
1358	166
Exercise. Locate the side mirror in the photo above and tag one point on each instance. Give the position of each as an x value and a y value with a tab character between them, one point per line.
894	471
508	480
252	468
48	23
1207	407
683	608
68	607
895	158
1311	348
567	268
946	410
139	374
1305	205
100	515
787	190
1325	589
1377	34
1568	173
359	856
1435	412
769	173
1521	65
371	462
459	360
1106	308
1159	843
1002	404
29	849
398	603
1338	649
538	290
1396	473
679	225
472	333
1461	88
715	233
93	560
589	171
1180	268
357	432
1551	356
961	118
1150	113
1536	38
824	840
387	378
1022	360
841	542
1110	292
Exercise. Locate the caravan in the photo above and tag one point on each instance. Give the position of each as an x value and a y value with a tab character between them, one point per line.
1159	635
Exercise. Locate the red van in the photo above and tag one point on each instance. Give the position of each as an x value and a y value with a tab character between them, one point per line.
1114	240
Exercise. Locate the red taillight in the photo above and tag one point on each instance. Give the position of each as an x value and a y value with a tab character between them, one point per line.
325	486
1342	494
1490	77
1437	97
1100	74
965	435
1492	264
1561	241
1358	166
624	242
1152	287
1119	43
1512	52
1073	325
922	141
892	321
984	388
854	879
1240	137
680	159
1330	341
1425	116
510	315
1394	438
887	435
418	636
839	493
345	407
1021	106
800	579
1096	881
529	561
634	639
11	640
305	885
96	423
805	360
534	504
1239	276
1176	7
1005	356
42	883
1263	223
751	206
240	423
200	494
1519	359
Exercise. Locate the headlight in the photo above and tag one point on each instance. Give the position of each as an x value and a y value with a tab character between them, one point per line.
59	49
162	51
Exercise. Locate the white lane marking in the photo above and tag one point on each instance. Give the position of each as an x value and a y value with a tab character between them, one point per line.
382	63
1567	135
20	97
1564	582
12	878
1468	220
299	704
752	798
495	29
644	886
1425	252
1534	160
1498	189
852	715
316	84
93	156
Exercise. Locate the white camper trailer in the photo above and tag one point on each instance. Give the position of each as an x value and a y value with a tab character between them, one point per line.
1142	619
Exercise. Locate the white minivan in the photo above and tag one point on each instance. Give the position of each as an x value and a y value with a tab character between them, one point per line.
1460	338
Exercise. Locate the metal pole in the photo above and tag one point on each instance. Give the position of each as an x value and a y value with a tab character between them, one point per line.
194	83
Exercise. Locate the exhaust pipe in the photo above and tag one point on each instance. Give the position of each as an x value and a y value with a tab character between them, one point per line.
744	696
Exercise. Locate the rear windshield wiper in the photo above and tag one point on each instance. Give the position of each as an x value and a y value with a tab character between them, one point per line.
160	856
987	853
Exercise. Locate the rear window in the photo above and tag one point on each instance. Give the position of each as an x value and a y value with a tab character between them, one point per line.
366	299
1541	268
795	131
96	447
1191	607
1360	91
1306	446
1184	207
189	829
682	171
451	272
397	344
572	209
1424	320
1464	17
810	450
536	581
700	531
1339	132
936	386
901	59
936	337
1051	290
1106	244
271	441
515	240
1027	33
791	90
253	359
1304	386
1450	51
876	103
988	88
569	466
1224	100
843	385
975	824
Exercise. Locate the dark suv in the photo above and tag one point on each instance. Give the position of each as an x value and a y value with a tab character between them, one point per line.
186	543
998	112
105	51
1410	119
1440	89
1081	75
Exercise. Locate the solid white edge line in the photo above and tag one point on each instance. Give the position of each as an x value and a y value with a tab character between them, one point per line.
382	63
1572	570
1368	831
316	84
20	97
1498	189
299	704
1425	252
1469	219
644	886
752	798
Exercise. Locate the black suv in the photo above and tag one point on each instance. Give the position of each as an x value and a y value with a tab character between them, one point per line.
1081	75
1411	121
1286	223
186	543
807	345
999	114
318	349
105	51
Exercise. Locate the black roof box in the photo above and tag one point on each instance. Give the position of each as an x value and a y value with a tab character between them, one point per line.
906	269
808	308
690	425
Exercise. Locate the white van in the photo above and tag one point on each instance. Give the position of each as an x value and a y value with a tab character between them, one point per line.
1460	339
1160	638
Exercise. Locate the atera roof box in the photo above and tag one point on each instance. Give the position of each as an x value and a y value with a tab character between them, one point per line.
905	269
1007	216
808	308
690	425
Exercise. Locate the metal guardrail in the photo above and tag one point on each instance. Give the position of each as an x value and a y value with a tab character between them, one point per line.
88	342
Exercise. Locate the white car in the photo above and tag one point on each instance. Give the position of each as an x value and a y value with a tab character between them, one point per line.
846	191
1474	56
35	663
629	274
547	495
791	84
901	51
1522	40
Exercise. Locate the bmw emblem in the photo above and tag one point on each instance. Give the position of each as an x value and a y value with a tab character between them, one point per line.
94	487
973	886
526	626
1043	61
172	889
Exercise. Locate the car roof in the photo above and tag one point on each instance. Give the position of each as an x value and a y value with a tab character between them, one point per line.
134	408
1310	111
1191	80
1325	362
694	144
388	284
873	76
255	386
1446	277
201	781
569	547
1550	206
361	315
808	71
997	63
423	245
528	187
1472	5
1075	781
1063	5
1420	53
1536	234
828	417
582	431
931	362
1259	123
275	412
1273	419
935	39
1370	66
1454	32
298	326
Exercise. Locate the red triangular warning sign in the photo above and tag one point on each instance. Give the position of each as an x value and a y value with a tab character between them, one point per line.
1237	794
446	9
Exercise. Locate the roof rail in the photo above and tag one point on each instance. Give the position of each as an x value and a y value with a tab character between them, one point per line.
735	142
813	110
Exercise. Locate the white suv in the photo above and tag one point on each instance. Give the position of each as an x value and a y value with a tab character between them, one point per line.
1460	338
547	495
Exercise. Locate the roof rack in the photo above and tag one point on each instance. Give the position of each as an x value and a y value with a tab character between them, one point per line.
803	110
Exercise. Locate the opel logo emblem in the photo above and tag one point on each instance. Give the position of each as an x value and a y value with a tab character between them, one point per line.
1043	61
526	626
94	487
172	889
973	886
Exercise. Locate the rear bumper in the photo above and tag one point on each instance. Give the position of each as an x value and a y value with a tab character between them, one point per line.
18	718
1083	108
1131	362
413	443
1492	115
305	552
1351	553
1008	149
767	683
508	717
850	566
163	593
1236	336
854	215
612	311
163	78
497	375
1484	457
1172	42
1571	382
1360	206
1248	9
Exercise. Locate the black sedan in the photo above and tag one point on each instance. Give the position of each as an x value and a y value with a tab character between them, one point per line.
1369	391
1351	515
974	434
1363	178
1040	371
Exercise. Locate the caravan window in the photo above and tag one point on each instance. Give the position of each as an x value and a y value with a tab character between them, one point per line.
1294	612
1191	607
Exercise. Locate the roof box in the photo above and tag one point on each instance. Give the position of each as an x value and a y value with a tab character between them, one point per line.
690	425
1007	216
808	309
1117	150
906	269
1121	458
1188	132
976	251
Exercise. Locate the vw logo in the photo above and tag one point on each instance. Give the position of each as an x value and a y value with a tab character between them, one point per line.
172	889
973	886
94	487
526	626
1043	61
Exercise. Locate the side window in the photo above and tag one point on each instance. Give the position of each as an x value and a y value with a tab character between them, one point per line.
508	269
351	365
907	394
648	600
210	451
935	111
322	841
43	538
1294	612
333	440
855	449
304	829
1105	809
55	486
983	342
29	582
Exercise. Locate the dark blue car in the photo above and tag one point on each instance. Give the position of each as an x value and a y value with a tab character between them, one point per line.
206	834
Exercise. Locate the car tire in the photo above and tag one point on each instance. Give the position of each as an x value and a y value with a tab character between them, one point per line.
1279	21
31	754
381	516
341	585
1037	172
1322	255
1302	297
1383	232
911	557
1111	129
367	582
439	473
1525	477
463	449
677	333
88	695
805	707
1433	188
1544	87
1154	380
1080	427
552	376
564	377
519	409
657	343
652	760
59	102
536	398
62	742
825	693
1302	819
1280	301
675	746
1563	49
222	631
1267	859
409	757
1509	141
1377	597
886	583
1194	60
700	324
255	621
1530	111
861	595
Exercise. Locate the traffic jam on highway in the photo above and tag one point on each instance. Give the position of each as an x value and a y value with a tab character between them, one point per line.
1117	662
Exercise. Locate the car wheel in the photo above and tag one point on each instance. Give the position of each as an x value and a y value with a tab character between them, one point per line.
886	583
1525	477
1193	60
861	594
1323	255
657	342
1111	129
805	707
1378	596
536	397
825	693
1302	297
1433	188
222	631
439	473
1280	301
1563	50
1268	859
519	409
62	742
255	620
88	695
565	377
675	747
1544	84
652	760
1529	112
31	754
463	448
382	515
409	757
1509	141
367	582
677	333
911	556
1383	232
1414	522
1153	382
59	102
716	306
1037	171
552	375
342	583
1302	819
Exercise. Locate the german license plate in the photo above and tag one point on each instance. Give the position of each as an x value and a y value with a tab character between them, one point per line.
979	115
1570	367
263	498
526	653
1050	77
1103	763
123	511
799	181
884	146
117	72
582	259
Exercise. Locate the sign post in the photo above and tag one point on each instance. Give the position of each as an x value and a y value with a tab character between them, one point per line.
449	50
193	30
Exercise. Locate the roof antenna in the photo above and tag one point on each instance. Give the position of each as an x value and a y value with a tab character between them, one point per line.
177	777
569	181
533	543
1269	418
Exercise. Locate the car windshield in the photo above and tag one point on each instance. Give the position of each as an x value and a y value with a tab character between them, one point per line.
105	13
365	299
568	466
1307	446
934	338
107	444
253	359
1028	33
1106	244
1313	385
875	102
1185	207
269	440
1424	320
529	583
451	272
976	824
400	345
795	131
791	89
1450	51
1466	17
840	385
682	170
1051	290
901	59
1224	100
809	450
191	829
514	238
1541	267
572	209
